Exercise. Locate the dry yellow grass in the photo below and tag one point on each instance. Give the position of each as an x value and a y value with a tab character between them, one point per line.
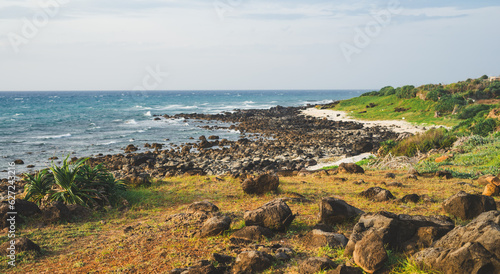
154	246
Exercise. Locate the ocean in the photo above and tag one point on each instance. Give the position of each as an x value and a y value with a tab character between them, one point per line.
36	126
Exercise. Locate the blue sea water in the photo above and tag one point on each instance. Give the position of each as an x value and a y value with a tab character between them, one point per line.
38	125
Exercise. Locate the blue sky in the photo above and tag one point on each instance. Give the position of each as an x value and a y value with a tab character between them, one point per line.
244	44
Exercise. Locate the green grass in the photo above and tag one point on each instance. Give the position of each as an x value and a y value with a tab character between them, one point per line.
421	112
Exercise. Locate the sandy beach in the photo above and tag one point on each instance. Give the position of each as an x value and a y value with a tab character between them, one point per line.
399	126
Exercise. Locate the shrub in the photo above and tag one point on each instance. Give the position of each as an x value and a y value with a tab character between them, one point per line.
447	103
484	127
74	183
431	139
472	111
38	186
434	94
406	92
386	91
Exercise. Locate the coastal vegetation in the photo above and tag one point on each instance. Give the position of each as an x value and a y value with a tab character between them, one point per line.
73	183
153	218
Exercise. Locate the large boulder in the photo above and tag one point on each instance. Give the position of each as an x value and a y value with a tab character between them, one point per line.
262	184
251	234
468	206
252	262
474	248
488	179
400	232
369	253
334	211
377	194
55	212
275	215
316	264
319	238
215	226
350	168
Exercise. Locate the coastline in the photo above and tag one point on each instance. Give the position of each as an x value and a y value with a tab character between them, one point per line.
397	126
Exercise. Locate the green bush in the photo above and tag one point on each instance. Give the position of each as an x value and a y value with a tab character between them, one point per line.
447	103
431	139
472	111
386	91
73	183
485	127
406	92
434	94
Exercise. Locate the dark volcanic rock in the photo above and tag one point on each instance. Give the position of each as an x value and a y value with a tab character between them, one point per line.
19	162
55	212
414	198
252	262
334	211
260	185
350	168
369	252
20	245
25	208
467	206
143	180
215	226
251	234
400	232
203	206
377	194
319	238
316	264
474	248
275	215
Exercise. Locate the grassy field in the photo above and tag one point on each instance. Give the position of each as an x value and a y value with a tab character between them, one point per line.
100	244
420	112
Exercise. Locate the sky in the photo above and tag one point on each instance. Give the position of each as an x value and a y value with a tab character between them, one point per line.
58	45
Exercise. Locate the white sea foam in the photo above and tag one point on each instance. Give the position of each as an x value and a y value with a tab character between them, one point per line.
54	136
147	113
131	122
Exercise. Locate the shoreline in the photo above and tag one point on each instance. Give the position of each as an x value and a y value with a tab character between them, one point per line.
397	126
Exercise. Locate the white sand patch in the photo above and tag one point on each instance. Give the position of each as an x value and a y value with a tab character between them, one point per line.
398	126
353	159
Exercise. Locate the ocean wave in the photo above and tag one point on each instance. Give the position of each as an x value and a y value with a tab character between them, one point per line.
131	122
18	99
108	143
170	107
142	107
54	136
18	114
148	114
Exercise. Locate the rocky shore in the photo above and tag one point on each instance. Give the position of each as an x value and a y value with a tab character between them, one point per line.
279	140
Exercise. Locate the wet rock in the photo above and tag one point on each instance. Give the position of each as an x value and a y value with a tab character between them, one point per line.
252	262
215	226
260	185
377	194
20	245
275	215
316	264
251	234
468	206
350	168
334	211
319	238
369	253
19	162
